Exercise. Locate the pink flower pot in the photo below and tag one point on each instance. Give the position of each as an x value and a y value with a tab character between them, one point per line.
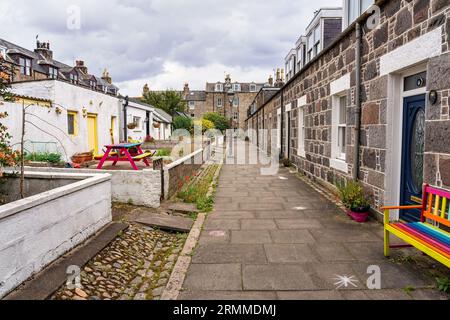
358	217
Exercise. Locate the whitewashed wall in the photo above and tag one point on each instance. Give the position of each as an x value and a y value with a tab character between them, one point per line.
73	98
37	230
142	188
140	132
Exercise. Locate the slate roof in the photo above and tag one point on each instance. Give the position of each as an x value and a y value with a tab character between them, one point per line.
196	96
161	115
64	70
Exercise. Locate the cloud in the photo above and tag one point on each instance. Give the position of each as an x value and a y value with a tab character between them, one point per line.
165	42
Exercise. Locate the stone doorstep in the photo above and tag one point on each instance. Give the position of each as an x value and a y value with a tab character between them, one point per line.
184	208
50	279
168	223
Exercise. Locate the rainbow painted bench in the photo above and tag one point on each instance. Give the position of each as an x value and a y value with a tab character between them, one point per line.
428	235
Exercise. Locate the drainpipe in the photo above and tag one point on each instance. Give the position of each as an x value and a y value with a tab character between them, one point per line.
125	129
357	103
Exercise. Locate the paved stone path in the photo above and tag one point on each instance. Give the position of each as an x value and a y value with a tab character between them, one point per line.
274	237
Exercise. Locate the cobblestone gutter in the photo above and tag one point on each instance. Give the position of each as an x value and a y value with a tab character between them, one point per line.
136	265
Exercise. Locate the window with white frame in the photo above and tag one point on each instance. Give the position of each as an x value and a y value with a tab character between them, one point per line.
219	102
236	87
52	73
235	116
25	66
355	8
236	102
342	127
310	53
253	88
219	87
301	131
74	78
192	105
317	37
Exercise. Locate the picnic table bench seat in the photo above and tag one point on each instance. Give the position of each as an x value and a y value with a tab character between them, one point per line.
143	156
430	235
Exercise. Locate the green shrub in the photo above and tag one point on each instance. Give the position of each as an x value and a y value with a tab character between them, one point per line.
163	152
180	122
44	157
220	122
352	195
443	284
204	124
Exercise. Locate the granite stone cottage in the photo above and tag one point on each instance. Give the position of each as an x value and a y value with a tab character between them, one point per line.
373	104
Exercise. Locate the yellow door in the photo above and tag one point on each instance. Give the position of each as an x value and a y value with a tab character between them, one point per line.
92	133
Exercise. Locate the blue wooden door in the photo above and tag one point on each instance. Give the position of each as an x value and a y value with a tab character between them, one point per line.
412	155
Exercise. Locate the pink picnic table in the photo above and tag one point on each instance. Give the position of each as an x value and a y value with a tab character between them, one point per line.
123	155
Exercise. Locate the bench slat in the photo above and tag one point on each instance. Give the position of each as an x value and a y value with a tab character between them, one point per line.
142	156
434	233
444	206
424	239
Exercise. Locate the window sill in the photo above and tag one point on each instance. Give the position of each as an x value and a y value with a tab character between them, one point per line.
301	154
339	164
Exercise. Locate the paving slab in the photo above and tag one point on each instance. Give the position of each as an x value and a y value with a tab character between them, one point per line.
206	277
230	253
184	208
336	252
289	253
166	222
228	295
310	295
276	277
258	224
292	236
251	236
222	224
298	223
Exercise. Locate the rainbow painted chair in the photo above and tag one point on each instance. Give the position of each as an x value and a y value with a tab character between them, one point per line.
430	235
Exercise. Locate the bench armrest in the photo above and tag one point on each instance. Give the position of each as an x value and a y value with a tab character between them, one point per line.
402	207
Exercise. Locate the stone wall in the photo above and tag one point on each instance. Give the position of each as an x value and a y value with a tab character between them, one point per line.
37	230
182	171
411	33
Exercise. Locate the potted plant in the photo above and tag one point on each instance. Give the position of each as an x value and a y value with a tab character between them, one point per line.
353	197
132	125
156	125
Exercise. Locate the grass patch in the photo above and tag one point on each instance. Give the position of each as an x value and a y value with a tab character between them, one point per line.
443	284
197	191
163	152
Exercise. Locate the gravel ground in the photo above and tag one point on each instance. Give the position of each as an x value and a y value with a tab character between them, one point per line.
136	265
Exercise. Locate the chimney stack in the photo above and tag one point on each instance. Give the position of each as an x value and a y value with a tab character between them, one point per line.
270	81
43	48
106	76
186	90
145	90
79	65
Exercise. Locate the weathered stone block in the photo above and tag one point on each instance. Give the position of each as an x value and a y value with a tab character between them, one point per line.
380	36
436	137
369	158
376	179
371	114
378	88
444	169
436	22
391	8
421	10
371	71
404	21
438	5
430	168
377	136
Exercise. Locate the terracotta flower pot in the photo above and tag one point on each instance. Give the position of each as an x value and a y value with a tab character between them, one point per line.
82	158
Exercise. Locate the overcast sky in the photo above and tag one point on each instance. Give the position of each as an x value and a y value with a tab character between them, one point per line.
164	43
